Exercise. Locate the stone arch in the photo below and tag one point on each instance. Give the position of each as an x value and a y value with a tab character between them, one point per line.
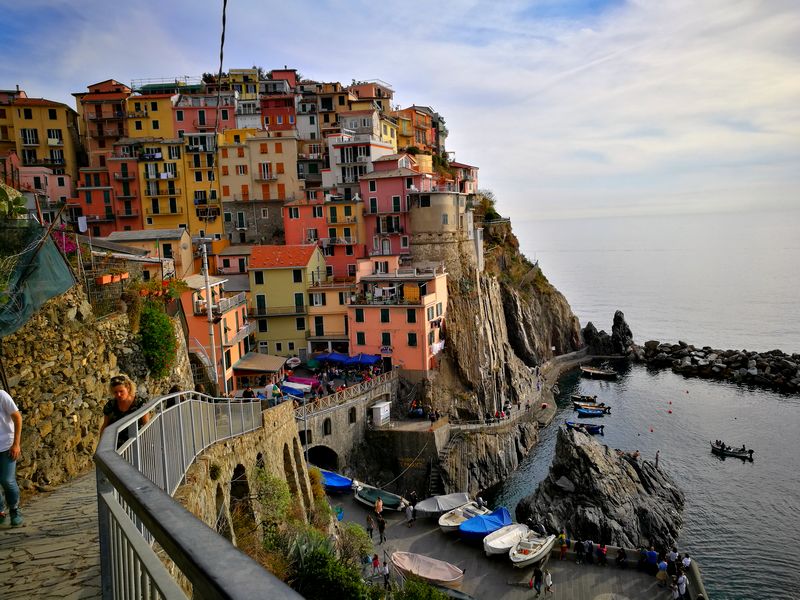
223	525
244	521
299	461
324	457
289	472
327	427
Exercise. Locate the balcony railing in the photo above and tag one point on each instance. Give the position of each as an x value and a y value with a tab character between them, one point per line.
106	116
160	176
337	219
260	176
204	125
391	231
160	192
327	333
220	306
231	339
30	141
337	241
195	166
124	176
55	142
99	218
137	114
35	162
163	213
199	148
130	194
276	311
127	214
144	157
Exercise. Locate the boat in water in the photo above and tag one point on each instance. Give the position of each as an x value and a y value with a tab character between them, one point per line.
335	483
479	526
530	549
505	538
597	406
451	520
590	412
436	506
432	570
722	450
583	398
592	428
368	495
599	372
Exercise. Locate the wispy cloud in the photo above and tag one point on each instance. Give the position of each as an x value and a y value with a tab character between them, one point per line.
570	108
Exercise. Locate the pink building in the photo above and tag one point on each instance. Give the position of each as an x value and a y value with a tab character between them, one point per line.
304	220
198	113
385	194
466	178
399	313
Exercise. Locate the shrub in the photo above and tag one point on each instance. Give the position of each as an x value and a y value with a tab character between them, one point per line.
353	543
273	497
317	488
320	576
416	589
159	346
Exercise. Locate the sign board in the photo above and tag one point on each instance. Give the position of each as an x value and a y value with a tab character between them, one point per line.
386	349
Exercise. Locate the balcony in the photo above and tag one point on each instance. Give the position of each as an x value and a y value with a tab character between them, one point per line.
391	231
204	124
137	114
240	112
163	213
105	133
160	192
326	335
127	214
30	140
221	306
160	176
231	339
42	162
55	142
112	116
265	176
99	218
194	166
199	148
207	213
340	220
130	194
124	176
337	241
276	311
145	157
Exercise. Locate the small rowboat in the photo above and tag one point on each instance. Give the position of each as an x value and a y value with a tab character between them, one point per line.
450	521
601	406
335	483
592	428
590	412
432	570
502	540
367	494
438	505
581	398
727	451
530	549
598	373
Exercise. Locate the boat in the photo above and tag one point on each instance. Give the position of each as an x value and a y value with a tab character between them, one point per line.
583	398
599	406
450	520
505	538
436	506
728	451
432	570
367	494
590	412
592	428
479	526
598	372
530	549
335	483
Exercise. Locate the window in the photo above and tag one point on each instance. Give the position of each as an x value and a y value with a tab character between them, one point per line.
137	125
265	213
291	119
317	299
424	201
300	323
154	106
179	115
198	176
430	313
262	325
312	120
294	212
395	203
409	183
51	114
291	346
241	169
326	426
412	340
60	182
438	309
279	120
317	211
30	137
431	337
348	250
373	185
444	218
361	338
359	315
404	241
259	277
278	347
386	338
155	124
384	315
351	415
227	359
297	275
228	216
411	315
239	151
174	152
373	205
224	114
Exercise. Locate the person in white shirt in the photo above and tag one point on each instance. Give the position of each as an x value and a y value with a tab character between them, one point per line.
683	582
10	434
385	573
686	562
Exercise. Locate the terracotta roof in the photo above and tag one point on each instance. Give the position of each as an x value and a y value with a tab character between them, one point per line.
281	257
100	96
397	156
401	172
459	165
37	102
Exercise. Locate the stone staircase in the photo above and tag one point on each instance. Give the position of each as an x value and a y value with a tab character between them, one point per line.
435	481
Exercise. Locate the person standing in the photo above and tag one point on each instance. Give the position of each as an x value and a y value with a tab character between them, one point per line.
248	392
376	564
122	404
683	584
537	579
562	540
548	582
379	506
370	526
10	435
658	452
409	515
381	530
385	573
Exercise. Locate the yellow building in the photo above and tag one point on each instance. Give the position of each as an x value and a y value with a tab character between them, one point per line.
202	186
280	278
151	116
389	128
45	134
327	315
243	81
8	139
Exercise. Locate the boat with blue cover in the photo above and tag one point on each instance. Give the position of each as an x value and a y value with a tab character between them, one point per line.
590	412
480	526
335	483
592	428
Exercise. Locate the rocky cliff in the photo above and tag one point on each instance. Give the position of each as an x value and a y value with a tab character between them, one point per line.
595	492
59	365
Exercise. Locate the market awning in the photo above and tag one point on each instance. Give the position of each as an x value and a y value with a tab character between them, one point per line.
264	363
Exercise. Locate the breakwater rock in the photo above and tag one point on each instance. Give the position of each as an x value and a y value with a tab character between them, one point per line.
595	492
774	369
600	343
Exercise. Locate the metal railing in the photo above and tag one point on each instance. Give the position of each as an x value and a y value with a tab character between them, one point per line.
331	401
135	482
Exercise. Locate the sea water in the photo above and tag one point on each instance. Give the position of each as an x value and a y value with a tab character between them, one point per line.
728	281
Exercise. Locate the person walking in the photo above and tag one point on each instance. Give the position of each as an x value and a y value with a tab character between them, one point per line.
548	582
537	579
385	573
379	506
122	404
376	565
564	543
10	451
409	515
381	530
370	526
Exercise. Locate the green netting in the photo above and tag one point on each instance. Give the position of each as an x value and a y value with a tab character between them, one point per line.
31	272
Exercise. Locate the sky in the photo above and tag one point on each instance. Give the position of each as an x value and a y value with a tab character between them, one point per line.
571	109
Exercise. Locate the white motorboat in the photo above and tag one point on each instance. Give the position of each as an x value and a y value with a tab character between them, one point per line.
505	538
530	549
450	521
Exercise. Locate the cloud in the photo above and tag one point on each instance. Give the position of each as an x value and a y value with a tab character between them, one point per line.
585	107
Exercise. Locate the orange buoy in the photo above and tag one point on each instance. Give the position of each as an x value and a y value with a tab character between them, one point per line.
669	411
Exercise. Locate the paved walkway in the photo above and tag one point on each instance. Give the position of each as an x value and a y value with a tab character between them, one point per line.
55	554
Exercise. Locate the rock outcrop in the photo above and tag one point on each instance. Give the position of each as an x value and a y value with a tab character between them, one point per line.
773	370
620	342
596	493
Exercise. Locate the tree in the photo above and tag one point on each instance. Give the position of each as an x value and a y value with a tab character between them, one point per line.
159	346
353	543
485	205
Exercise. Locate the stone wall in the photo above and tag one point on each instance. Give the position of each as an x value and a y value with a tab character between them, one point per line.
220	475
58	367
258	229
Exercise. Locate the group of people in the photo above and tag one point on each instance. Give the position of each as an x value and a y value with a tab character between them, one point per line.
721	444
669	568
541	576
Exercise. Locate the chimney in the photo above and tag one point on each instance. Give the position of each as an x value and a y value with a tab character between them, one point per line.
17	87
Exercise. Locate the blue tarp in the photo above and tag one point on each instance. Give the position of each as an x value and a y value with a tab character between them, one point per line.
368	359
322	356
337	357
293	392
479	527
334	482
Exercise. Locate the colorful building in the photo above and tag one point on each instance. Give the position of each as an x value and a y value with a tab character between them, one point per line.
399	313
466	177
280	278
343	238
304	219
174	244
8	139
328	315
102	118
350	156
370	94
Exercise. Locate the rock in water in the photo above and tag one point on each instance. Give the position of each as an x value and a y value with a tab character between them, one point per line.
616	499
598	342
621	334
